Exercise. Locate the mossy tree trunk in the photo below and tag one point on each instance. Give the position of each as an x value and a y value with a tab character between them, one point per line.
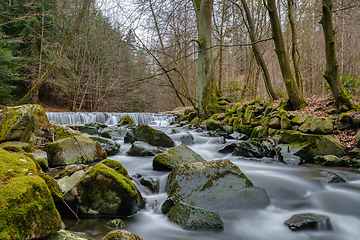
296	97
256	50
207	84
332	74
38	83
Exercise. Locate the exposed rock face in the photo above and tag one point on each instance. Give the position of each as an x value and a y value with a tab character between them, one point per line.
111	147
143	132
175	156
213	185
76	149
106	190
121	235
308	221
22	123
143	149
194	218
27	208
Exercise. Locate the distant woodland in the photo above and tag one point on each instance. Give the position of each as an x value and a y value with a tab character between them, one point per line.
144	55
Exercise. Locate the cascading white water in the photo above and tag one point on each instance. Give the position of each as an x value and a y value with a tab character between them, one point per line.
109	118
292	190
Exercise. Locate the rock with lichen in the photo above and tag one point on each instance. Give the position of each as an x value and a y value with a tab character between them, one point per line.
121	235
216	185
106	189
126	121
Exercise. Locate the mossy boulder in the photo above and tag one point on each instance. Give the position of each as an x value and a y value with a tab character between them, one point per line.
126	121
212	124
308	221
328	160
143	149
22	123
214	185
121	235
194	218
17	146
114	132
84	129
111	147
77	149
300	119
195	122
143	132
105	190
175	156
285	123
115	223
317	125
275	123
27	208
68	235
312	145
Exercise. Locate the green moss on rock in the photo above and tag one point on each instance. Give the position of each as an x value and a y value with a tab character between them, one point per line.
126	121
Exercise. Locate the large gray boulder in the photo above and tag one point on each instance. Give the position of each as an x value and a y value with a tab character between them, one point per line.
194	218
72	150
143	132
106	189
143	149
214	185
23	123
175	156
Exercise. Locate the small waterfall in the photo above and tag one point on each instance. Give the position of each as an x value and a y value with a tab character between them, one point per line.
108	118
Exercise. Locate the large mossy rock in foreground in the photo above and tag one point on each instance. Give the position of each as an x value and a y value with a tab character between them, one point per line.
143	132
194	218
175	156
312	145
73	150
27	209
214	185
106	190
22	123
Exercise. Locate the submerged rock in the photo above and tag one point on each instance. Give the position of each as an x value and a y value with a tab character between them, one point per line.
106	190
194	218
175	156
308	221
188	139
76	149
143	149
330	177
27	208
121	235
214	185
143	132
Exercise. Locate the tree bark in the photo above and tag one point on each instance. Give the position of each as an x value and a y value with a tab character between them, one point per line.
256	50
35	88
207	84
296	97
332	74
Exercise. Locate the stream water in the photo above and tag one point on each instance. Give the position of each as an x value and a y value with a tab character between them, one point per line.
292	190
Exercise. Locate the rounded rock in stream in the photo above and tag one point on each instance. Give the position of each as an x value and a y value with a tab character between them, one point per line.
214	185
308	221
121	235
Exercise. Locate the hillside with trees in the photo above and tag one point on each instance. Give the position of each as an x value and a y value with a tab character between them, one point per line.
157	55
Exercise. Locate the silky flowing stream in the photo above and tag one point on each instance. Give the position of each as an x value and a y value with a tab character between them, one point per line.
292	189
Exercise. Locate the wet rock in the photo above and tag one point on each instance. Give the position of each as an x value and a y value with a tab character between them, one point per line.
111	147
255	148
194	218
328	160
174	157
22	123
105	190
330	177
126	121
121	235
114	132
68	235
143	149
212	124
115	223
97	125
308	221
312	145
76	149
188	139
151	183
228	129
27	209
195	122
228	148
239	136
143	132
84	129
213	185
